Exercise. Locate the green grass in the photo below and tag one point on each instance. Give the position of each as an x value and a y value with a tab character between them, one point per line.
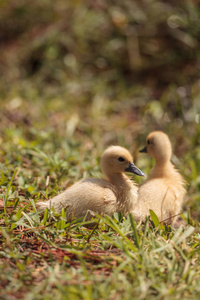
75	78
45	256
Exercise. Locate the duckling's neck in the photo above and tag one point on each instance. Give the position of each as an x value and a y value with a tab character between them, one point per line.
119	180
162	169
127	191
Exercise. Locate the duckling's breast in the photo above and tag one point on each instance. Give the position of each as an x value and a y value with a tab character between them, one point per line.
162	196
127	195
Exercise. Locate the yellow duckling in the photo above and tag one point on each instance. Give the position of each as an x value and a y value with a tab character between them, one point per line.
164	191
115	193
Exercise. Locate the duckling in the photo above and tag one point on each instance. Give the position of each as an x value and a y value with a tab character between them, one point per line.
164	191
103	196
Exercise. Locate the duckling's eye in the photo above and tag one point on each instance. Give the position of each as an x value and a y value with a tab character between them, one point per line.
148	142
121	159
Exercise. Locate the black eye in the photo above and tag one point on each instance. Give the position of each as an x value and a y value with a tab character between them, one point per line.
121	159
148	142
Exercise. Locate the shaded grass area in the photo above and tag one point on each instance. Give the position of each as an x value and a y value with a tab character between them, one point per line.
75	78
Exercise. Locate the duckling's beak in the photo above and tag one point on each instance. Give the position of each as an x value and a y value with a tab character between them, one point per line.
133	169
143	150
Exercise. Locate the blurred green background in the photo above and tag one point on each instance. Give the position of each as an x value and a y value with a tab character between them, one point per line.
80	75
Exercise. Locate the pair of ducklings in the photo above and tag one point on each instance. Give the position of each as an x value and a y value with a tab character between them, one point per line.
163	192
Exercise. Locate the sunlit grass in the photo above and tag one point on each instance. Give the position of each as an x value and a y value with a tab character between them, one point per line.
44	255
76	78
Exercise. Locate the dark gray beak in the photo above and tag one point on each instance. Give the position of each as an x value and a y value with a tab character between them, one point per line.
133	169
143	150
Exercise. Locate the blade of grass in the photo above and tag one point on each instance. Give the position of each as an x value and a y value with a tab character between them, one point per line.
5	198
154	218
33	204
28	219
135	236
63	219
46	213
16	203
110	222
185	234
145	232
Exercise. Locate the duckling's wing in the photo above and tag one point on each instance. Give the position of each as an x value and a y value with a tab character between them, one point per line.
97	195
92	194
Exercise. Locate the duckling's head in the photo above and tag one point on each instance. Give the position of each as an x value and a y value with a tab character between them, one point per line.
116	159
158	146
